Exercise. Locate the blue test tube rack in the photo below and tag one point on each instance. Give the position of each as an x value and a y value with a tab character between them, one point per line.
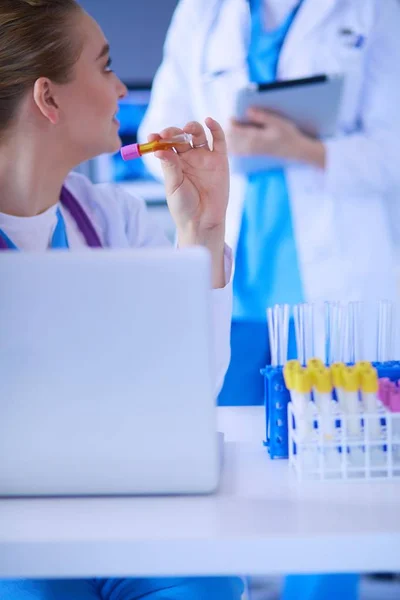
390	369
277	397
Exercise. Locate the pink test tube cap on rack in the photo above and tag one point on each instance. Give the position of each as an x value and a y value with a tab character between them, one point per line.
394	400
385	387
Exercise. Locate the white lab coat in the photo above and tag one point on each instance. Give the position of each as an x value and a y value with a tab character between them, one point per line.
122	221
344	218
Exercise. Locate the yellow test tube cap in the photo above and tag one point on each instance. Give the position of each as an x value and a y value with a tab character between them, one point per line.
315	363
323	381
369	381
337	374
303	381
289	370
351	379
293	365
364	365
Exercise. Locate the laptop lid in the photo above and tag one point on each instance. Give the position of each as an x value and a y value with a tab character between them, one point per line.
106	380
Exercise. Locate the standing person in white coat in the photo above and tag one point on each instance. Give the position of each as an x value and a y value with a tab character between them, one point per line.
321	229
58	100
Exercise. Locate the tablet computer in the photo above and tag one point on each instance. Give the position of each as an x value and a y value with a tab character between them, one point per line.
312	103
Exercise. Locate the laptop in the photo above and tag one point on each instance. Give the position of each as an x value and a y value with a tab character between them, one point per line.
106	373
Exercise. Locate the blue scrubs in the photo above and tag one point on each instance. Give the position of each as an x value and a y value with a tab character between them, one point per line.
194	588
267	270
321	587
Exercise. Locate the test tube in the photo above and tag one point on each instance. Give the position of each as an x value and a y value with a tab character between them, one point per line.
273	337
337	380
358	332
385	331
335	332
283	336
315	364
363	365
298	332
369	391
385	387
278	331
303	320
394	400
324	402
344	333
328	333
351	385
301	398
289	372
137	150
308	331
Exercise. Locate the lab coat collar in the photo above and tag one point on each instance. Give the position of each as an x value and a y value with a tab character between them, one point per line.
239	37
204	29
310	15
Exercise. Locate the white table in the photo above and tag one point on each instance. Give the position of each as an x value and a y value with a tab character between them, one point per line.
261	521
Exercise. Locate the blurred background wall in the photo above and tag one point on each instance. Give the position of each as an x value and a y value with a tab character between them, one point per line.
127	24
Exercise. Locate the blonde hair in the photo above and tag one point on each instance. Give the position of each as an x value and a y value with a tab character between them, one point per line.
36	40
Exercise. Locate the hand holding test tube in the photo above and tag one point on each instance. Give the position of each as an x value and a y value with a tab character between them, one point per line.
196	180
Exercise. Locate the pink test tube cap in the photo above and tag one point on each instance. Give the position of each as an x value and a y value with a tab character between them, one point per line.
394	404
130	152
385	388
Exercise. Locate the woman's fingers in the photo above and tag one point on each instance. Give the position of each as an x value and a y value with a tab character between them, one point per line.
199	138
219	141
171	132
265	118
153	137
170	160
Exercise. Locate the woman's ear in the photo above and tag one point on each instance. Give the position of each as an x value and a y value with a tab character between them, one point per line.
43	95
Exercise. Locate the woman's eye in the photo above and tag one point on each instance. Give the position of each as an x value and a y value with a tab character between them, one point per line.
108	65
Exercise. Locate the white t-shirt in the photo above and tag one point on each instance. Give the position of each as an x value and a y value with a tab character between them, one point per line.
121	221
30	233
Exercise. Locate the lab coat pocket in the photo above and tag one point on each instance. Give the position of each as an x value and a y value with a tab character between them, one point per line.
350	62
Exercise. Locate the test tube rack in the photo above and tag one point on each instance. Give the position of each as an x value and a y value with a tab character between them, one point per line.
370	452
277	398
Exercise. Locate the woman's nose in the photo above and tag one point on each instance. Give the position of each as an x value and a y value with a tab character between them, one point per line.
121	89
